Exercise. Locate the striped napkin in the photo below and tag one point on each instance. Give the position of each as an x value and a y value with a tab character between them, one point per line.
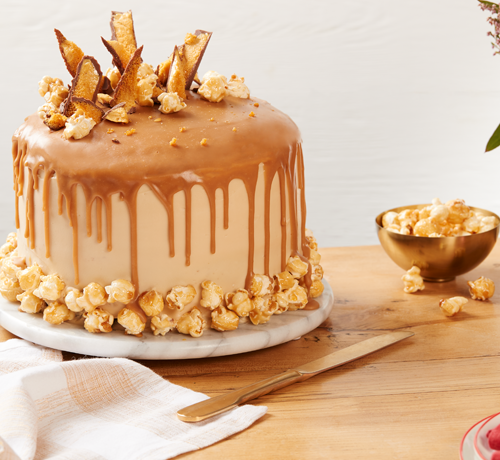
95	409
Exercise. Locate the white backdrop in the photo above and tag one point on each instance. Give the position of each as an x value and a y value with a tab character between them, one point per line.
395	99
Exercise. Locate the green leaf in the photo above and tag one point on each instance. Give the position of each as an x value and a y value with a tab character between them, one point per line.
484	2
494	141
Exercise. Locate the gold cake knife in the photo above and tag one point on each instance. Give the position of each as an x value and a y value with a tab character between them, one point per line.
214	406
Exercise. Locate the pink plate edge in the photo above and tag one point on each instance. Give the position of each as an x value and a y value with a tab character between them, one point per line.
484	420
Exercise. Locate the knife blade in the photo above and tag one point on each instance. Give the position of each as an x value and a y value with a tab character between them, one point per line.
214	406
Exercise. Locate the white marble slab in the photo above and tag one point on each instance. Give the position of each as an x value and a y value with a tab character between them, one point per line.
73	338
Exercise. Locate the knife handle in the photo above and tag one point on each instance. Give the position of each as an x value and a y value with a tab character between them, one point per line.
213	406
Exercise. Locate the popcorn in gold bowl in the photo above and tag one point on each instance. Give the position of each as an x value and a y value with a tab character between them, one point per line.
444	240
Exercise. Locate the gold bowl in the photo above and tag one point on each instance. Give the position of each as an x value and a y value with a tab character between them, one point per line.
439	259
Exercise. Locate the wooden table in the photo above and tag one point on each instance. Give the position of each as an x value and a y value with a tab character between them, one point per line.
414	400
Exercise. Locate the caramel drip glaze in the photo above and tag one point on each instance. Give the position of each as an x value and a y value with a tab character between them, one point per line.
103	168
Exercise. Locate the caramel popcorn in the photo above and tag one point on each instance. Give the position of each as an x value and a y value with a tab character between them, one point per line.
191	323
104	99
45	110
9	246
296	297
224	319
311	241
98	320
260	285
72	295
263	310
120	291
316	288
439	213
93	296
481	289
317	272
57	313
451	307
29	278
170	103
239	302
284	281
236	87
78	126
10	288
211	295
314	257
425	227
131	321
113	76
161	324
118	115
488	223
297	267
180	296
52	90
145	85
213	87
389	218
413	281
151	302
50	288
30	303
11	266
459	211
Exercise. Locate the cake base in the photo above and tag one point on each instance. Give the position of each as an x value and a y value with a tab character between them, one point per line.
73	338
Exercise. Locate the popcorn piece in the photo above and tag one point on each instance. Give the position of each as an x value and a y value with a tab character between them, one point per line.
98	320
317	272
55	121
262	311
451	307
173	142
10	289
85	85
30	303
488	223
439	213
72	295
170	103
9	246
211	295
57	313
203	142
120	291
389	218
29	278
131	321
239	302
70	52
180	296
425	227
224	319
151	302
146	85
78	126
472	224
296	297
11	266
236	87
191	323
481	289
281	300
284	281
50	288
53	91
316	288
413	282
459	211
314	257
161	324
176	81
113	76
126	89
213	88
93	296
104	99
260	285
297	267
117	115
311	241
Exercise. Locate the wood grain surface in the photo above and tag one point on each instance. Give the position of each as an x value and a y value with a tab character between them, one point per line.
413	400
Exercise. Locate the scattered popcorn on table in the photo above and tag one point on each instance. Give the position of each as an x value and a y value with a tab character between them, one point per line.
481	289
439	220
451	307
413	281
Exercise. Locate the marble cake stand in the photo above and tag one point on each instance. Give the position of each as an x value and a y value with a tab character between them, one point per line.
73	338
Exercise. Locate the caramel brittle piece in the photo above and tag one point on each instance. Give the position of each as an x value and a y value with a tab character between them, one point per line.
126	90
70	52
121	54
176	76
122	29
85	85
163	70
55	121
193	51
89	108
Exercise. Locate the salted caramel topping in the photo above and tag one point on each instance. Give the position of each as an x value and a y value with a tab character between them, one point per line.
173	142
103	169
130	132
182	129
109	131
204	141
251	114
256	104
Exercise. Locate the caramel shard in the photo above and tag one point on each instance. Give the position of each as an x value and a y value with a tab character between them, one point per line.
117	114
70	52
122	29
193	51
126	90
176	82
89	108
55	121
121	54
163	70
85	84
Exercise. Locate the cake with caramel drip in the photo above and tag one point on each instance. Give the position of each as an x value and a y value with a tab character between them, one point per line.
144	210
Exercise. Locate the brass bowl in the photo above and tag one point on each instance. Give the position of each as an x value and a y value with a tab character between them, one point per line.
439	259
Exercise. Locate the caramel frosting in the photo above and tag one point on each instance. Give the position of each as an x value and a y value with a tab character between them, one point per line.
105	163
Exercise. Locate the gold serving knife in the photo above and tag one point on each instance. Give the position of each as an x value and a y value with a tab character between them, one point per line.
214	406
